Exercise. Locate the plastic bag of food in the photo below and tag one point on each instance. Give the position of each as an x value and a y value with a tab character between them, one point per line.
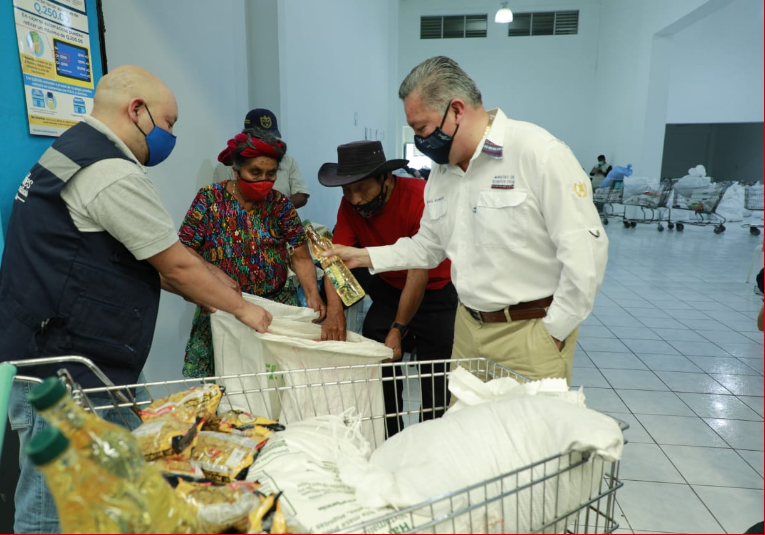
243	423
172	434
222	457
170	466
204	399
222	508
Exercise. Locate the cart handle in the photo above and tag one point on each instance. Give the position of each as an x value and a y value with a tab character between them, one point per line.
7	373
69	359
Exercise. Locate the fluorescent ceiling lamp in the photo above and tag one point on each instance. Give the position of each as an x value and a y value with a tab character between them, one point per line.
504	14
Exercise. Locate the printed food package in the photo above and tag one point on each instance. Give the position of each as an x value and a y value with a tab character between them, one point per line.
222	457
171	434
203	399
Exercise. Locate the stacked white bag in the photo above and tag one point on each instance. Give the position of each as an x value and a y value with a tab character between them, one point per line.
731	206
641	190
695	180
492	431
332	481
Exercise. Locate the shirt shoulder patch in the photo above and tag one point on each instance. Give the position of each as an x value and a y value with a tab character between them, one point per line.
492	150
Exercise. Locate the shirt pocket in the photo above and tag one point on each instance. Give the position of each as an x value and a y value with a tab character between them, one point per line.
436	213
502	219
436	209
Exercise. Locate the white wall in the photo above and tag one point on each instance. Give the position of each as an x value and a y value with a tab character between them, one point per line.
679	61
717	68
263	57
200	52
337	60
547	80
633	61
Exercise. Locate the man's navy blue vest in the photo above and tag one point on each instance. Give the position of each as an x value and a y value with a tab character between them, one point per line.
66	292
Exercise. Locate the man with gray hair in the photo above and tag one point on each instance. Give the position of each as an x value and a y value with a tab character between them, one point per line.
511	207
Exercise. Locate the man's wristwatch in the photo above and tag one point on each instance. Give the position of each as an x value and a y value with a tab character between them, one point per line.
403	329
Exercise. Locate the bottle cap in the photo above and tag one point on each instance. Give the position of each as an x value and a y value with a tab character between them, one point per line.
46	446
47	393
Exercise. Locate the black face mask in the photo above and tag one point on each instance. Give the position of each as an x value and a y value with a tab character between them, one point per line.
368	209
437	145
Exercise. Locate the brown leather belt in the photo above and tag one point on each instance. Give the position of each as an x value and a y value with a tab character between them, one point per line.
521	311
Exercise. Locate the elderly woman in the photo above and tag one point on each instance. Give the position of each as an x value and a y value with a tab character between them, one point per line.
251	232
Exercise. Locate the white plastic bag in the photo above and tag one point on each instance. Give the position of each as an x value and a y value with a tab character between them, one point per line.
294	343
688	184
731	206
478	443
641	190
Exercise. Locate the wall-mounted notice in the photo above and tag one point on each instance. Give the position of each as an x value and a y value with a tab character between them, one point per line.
54	48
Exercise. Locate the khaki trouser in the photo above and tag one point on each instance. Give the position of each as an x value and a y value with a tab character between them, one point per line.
523	346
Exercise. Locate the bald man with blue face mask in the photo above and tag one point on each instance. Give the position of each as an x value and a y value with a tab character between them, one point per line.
88	249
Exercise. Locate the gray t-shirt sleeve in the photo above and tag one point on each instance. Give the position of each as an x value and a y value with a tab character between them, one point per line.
297	183
222	172
130	210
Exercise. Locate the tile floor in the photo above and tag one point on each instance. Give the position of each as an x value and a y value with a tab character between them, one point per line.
672	348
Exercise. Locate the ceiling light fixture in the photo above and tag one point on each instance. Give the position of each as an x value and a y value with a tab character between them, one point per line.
504	14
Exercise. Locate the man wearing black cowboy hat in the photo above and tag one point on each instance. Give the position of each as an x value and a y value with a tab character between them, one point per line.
411	309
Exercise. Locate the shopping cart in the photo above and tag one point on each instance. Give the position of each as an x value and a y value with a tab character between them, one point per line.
530	486
753	202
606	198
702	202
651	203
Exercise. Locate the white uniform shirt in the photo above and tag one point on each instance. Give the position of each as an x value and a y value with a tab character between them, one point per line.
518	226
289	179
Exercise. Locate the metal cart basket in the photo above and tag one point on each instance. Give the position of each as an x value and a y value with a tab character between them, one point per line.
753	201
702	202
528	488
606	198
651	204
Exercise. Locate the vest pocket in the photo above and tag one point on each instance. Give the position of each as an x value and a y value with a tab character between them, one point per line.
111	331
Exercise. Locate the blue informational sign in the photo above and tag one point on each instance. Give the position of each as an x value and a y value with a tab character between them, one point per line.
55	55
71	60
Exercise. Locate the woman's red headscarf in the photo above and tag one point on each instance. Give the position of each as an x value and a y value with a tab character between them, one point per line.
249	146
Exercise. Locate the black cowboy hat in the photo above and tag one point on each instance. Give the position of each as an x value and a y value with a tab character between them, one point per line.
356	161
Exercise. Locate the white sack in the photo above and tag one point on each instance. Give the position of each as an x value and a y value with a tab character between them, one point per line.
294	343
479	443
731	206
300	462
686	185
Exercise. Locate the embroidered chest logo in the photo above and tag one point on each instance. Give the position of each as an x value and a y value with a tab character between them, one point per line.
580	188
503	182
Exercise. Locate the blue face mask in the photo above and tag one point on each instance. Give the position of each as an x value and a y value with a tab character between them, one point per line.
437	145
159	142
